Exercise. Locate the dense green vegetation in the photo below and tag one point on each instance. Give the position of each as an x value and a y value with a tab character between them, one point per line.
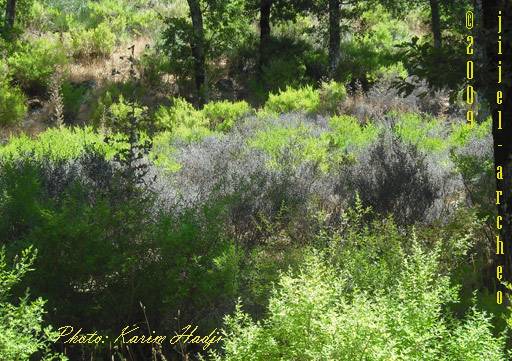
306	184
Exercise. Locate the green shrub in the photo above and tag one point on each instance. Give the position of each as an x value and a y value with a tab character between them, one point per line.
347	134
201	263
109	95
89	43
153	65
53	144
371	52
12	104
33	64
284	72
290	146
332	94
461	133
122	17
427	134
72	96
163	151
304	99
314	315
223	115
45	18
182	120
118	113
22	334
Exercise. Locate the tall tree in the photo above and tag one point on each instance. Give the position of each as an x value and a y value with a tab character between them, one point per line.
198	50
436	22
10	16
501	137
334	35
265	8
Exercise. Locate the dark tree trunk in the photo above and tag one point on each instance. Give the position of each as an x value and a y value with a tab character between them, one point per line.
436	23
198	51
334	35
501	137
265	8
10	15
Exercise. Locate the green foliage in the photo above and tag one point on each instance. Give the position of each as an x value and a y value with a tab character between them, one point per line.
348	135
225	27
312	316
122	17
325	100
183	120
23	16
223	115
114	92
462	133
370	51
53	144
290	146
163	150
304	99
73	95
96	42
152	66
131	17
332	94
120	113
33	63
371	252
201	263
177	38
12	104
22	334
439	67
291	62
283	72
50	18
427	134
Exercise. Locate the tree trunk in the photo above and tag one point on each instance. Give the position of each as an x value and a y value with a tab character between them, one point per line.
198	51
265	7
10	15
334	35
501	137
436	23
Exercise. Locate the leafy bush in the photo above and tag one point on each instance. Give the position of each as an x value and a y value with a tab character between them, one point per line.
223	115
291	146
371	52
22	334
50	17
183	120
12	104
152	66
53	144
33	64
348	135
122	17
474	161
304	99
73	95
426	134
284	72
312	316
90	43
201	264
119	114
332	94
